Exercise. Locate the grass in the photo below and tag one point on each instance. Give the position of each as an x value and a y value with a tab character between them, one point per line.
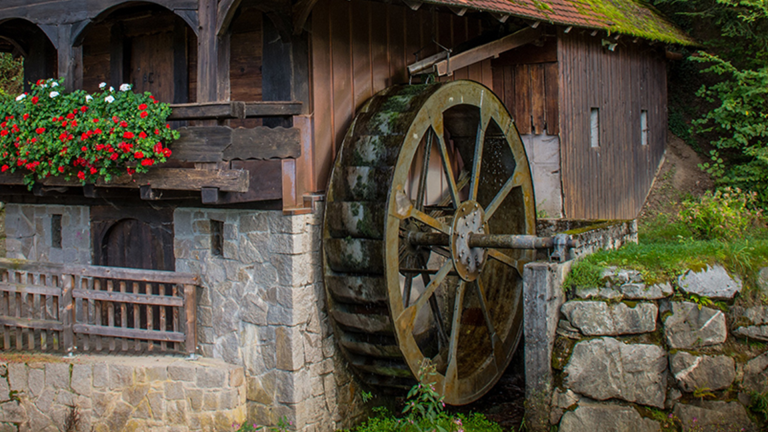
667	248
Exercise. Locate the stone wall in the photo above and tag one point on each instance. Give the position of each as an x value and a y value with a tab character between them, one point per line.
262	307
28	233
114	393
628	352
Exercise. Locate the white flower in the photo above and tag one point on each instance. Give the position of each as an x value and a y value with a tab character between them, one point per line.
111	88
21	96
102	85
125	87
53	94
109	99
54	84
88	98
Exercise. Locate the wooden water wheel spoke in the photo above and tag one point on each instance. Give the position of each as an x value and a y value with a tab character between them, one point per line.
495	341
422	190
477	160
431	212
454	191
406	318
508	260
515	180
453	347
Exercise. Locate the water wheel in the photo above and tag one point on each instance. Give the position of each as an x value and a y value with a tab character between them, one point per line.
428	182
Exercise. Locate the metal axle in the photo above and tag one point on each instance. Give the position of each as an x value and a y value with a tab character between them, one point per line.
499	241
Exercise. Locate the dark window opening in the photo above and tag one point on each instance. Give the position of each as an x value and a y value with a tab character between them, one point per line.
56	231
217	238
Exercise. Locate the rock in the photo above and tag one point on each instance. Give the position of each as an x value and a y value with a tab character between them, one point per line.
596	318
688	327
713	282
616	277
714	415
639	291
561	401
753	332
565	329
700	372
757	315
606	418
673	395
756	374
605	368
598	293
762	280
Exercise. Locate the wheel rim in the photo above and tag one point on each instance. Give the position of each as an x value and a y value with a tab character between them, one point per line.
457	306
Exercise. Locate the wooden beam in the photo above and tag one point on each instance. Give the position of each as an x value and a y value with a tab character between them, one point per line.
208	111
226	11
230	180
207	56
209	195
300	12
489	50
141	275
268	108
264	143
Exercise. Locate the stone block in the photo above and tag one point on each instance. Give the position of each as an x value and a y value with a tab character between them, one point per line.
606	368
228	399
210	378
210	401
181	371
195	399
5	391
174	390
713	282
66	398
120	376
756	374
595	318
100	375
135	394
606	418
82	376
714	416
699	372
689	327
236	377
176	412
17	377
261	389
254	221
156	405
753	332
57	375
640	291
156	373
289	348
12	412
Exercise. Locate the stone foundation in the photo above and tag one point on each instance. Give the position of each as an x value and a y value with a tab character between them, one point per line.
118	393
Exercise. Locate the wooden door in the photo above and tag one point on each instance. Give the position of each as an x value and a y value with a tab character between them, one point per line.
133	238
151	64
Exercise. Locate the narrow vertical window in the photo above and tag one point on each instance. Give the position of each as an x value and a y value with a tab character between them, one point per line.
594	128
56	231
217	238
644	127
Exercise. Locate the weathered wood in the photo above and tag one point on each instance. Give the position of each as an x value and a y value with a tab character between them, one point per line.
264	143
207	111
140	275
180	71
272	108
209	195
207	51
190	306
66	313
202	143
489	50
117	62
265	180
29	323
153	335
113	296
225	12
30	289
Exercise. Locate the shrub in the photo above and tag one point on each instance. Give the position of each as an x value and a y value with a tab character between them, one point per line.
49	132
723	215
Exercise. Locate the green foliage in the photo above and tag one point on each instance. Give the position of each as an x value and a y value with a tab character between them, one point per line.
423	401
700	301
50	132
11	74
283	425
584	274
758	404
722	215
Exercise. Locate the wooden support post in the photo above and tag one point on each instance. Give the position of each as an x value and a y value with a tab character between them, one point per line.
207	56
68	57
190	307
209	195
66	313
180	71
116	55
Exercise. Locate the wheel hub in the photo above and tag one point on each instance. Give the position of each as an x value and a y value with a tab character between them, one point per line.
468	220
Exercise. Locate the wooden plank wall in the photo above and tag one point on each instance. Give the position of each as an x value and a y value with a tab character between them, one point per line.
526	79
611	181
360	48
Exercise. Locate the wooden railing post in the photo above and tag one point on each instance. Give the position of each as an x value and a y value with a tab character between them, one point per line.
190	306
66	313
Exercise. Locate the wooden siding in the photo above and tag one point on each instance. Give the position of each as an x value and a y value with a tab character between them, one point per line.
612	180
360	48
526	80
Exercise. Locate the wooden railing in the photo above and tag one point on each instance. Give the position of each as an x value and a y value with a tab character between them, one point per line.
71	309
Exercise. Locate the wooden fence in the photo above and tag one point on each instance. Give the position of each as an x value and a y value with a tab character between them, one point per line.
67	308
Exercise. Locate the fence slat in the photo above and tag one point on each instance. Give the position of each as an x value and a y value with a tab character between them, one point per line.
190	306
154	335
65	313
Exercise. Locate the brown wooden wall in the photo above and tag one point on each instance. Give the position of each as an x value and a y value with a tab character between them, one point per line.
526	79
611	181
360	48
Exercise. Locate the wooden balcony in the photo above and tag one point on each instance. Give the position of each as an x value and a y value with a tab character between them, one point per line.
77	309
220	164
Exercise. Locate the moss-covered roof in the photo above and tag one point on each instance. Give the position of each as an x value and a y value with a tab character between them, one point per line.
631	17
